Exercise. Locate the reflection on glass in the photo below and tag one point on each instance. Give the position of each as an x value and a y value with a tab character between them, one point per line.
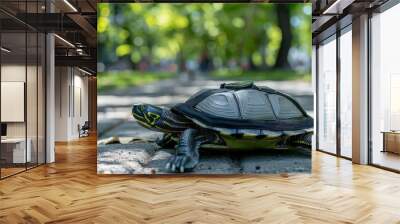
346	94
385	83
327	96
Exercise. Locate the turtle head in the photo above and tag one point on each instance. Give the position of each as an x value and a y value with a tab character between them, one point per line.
147	115
159	119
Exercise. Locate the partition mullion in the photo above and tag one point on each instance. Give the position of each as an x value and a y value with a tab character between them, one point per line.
37	90
1	163
317	109
26	87
338	80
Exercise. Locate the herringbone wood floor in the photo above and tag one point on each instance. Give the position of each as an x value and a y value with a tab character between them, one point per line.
70	191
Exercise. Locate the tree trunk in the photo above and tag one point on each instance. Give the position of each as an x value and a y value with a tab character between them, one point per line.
283	12
181	62
252	66
263	51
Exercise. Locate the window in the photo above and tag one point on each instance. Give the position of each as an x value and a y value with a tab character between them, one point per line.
284	108
327	95
346	92
385	88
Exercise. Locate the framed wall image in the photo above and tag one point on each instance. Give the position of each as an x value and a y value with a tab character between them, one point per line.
12	101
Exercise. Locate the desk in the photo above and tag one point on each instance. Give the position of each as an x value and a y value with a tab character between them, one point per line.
391	141
15	148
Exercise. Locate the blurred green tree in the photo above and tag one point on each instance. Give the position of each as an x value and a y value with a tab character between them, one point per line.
251	36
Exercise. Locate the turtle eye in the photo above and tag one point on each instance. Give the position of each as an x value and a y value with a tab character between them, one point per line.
152	117
138	110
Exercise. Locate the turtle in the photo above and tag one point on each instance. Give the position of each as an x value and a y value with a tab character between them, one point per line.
235	116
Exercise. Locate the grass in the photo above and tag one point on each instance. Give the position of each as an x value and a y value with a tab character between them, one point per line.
124	79
274	75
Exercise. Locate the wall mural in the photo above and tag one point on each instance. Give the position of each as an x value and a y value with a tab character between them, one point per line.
206	88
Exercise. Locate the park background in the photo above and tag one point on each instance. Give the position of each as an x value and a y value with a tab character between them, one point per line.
163	53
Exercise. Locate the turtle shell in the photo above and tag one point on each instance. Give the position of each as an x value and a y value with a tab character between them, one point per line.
246	109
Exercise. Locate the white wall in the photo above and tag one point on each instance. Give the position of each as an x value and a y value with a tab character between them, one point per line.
70	83
62	81
80	94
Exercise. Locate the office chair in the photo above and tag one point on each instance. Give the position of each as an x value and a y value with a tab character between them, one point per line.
84	130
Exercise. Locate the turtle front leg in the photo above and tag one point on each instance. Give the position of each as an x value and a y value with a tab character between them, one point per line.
167	141
187	155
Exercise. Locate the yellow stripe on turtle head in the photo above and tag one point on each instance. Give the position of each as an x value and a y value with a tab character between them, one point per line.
151	117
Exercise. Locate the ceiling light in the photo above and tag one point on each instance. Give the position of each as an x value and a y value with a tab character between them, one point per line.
65	41
80	51
5	50
337	7
70	5
84	71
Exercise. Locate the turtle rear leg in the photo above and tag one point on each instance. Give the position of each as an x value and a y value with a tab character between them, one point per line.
167	141
187	155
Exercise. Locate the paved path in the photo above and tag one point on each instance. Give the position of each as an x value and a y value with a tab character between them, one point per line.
135	156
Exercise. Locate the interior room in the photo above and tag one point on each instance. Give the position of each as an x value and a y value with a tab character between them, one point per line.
385	87
48	156
336	80
46	82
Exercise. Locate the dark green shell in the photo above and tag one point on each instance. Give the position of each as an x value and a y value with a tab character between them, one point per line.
247	113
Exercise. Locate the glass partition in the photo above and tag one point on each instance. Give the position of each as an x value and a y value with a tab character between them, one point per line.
14	153
327	95
22	101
